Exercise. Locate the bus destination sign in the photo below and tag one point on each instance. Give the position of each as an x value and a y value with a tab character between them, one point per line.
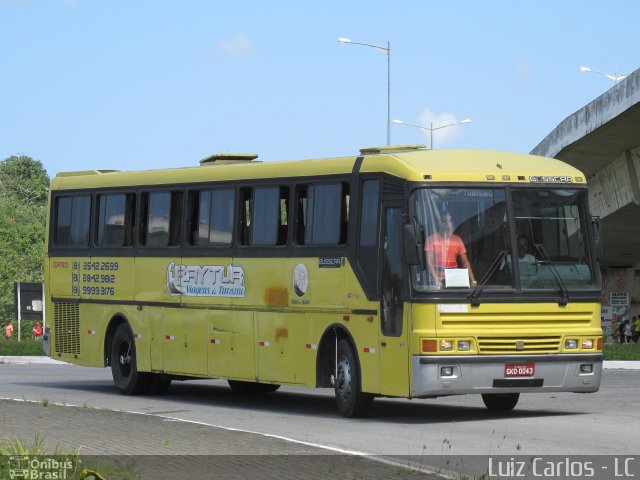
548	179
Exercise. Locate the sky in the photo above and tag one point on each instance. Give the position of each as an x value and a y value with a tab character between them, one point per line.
134	85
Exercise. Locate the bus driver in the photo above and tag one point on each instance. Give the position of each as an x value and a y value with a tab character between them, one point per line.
443	249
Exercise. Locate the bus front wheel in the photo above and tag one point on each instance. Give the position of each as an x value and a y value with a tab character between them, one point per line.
500	402
352	402
124	369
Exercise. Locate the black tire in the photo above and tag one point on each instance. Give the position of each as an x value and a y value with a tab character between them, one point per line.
124	368
252	387
352	402
500	402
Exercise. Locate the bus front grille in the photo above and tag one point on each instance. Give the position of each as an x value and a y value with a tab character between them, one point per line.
529	344
66	324
540	319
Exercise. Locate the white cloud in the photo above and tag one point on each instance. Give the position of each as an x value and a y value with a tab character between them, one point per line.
440	135
236	46
524	73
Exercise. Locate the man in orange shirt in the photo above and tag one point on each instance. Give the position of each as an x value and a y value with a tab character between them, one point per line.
443	249
8	330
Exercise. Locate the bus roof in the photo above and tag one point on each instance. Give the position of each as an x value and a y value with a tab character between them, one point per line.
411	163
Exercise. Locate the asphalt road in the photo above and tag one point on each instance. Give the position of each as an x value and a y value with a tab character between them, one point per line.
606	422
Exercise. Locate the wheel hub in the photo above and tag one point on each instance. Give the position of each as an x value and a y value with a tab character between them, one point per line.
343	380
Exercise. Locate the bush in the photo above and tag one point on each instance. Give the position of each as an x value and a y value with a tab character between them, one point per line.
617	351
13	347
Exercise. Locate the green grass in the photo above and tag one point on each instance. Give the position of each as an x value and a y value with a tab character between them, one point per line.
629	351
78	469
13	347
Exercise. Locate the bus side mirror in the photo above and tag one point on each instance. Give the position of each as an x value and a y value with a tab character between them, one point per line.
597	237
413	244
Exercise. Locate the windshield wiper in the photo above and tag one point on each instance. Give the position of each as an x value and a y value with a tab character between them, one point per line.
474	297
564	293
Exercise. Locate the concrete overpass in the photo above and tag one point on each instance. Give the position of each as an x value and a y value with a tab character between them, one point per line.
603	140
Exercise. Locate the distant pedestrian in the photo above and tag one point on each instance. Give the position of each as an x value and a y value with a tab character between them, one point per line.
36	331
636	333
628	333
8	330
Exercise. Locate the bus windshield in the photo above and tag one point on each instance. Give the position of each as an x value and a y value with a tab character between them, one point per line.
468	236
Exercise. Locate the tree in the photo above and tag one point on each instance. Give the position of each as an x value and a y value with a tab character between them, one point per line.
24	184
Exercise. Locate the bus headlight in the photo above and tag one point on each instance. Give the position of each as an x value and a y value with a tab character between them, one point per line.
446	345
464	345
570	344
587	343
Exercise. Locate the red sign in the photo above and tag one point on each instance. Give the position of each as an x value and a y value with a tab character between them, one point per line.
519	370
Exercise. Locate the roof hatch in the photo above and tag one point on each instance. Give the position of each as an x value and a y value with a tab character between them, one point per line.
227	158
392	149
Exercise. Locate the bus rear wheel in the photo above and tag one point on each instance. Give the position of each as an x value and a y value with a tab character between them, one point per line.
124	368
352	402
500	402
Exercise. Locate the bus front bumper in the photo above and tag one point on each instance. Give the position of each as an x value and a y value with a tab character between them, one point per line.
434	376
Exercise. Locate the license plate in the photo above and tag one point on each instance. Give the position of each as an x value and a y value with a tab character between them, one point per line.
519	370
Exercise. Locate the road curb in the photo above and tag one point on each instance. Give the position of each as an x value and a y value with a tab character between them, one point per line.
25	360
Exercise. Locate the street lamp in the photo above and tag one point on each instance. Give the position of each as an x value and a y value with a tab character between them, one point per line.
612	76
431	128
387	51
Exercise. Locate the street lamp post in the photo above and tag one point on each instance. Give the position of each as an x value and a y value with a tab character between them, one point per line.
431	128
612	76
387	51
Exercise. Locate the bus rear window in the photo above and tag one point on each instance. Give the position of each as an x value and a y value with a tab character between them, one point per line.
72	215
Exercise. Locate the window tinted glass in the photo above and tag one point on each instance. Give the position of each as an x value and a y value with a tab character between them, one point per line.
80	220
214	210
72	220
63	226
369	215
266	216
322	215
159	218
462	224
553	239
221	219
115	220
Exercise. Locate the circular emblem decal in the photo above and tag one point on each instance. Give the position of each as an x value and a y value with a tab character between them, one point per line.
300	279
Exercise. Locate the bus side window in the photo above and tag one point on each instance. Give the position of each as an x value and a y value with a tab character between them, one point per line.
245	215
322	214
269	222
72	220
301	213
161	219
116	219
264	217
368	236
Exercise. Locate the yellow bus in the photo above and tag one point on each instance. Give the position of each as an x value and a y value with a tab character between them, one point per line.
390	273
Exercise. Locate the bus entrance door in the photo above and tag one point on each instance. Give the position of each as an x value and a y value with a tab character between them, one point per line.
394	351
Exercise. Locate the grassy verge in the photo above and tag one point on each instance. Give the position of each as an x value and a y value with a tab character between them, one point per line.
13	347
629	351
